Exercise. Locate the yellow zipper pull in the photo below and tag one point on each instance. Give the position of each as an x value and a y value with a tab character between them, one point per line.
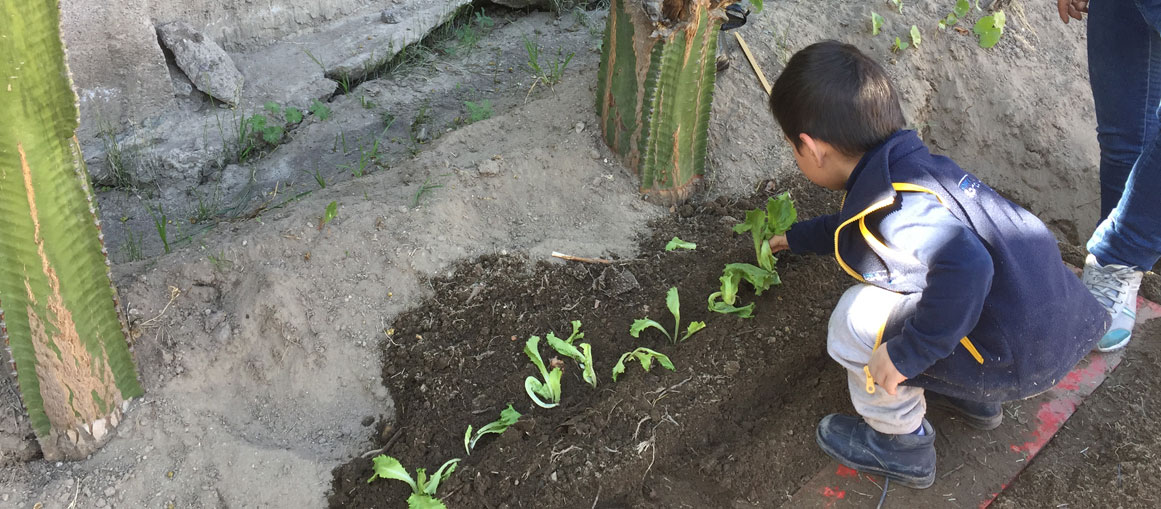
870	380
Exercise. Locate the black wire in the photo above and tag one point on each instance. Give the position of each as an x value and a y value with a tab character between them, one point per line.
883	498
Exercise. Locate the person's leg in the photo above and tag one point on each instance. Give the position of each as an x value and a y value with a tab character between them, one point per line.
1125	70
891	438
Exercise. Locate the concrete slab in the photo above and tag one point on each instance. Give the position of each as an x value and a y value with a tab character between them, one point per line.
975	466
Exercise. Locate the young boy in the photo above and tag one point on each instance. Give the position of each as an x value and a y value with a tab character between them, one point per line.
963	300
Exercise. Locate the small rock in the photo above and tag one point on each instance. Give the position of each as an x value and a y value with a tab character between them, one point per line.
488	168
553	476
731	368
110	491
580	127
594	154
206	64
388	18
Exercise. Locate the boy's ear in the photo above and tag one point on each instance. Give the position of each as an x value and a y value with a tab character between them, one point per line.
812	149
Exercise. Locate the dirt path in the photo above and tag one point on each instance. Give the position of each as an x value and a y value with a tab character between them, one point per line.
266	371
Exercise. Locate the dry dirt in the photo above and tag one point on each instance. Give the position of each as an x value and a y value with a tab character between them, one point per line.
270	366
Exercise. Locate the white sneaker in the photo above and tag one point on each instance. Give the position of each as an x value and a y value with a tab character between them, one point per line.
1115	287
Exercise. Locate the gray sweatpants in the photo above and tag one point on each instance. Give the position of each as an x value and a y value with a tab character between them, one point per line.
854	325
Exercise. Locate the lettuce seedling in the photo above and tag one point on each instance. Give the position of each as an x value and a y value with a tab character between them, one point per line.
674	304
677	243
763	225
990	28
507	418
422	489
876	23
549	389
645	356
582	355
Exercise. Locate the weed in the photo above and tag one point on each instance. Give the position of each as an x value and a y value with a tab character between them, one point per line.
424	189
366	159
646	357
316	60
161	223
320	110
673	302
220	262
204	211
132	246
549	388
507	418
318	177
423	490
898	4
367	105
118	177
345	83
549	73
478	111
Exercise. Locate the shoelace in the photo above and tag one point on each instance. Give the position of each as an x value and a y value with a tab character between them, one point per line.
1110	282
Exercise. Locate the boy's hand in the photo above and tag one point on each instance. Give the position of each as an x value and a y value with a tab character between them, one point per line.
778	243
1071	8
883	370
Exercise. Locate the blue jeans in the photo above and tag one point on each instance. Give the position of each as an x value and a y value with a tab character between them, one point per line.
1124	55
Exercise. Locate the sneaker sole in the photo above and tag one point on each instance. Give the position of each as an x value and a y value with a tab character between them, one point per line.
918	483
973	421
1115	346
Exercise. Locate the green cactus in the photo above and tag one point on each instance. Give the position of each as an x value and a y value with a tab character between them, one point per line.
58	308
655	87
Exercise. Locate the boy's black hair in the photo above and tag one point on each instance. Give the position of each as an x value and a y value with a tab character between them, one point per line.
834	93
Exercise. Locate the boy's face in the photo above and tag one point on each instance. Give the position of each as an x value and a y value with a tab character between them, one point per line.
805	154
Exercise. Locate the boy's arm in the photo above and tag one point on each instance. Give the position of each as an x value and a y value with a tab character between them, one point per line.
814	235
959	277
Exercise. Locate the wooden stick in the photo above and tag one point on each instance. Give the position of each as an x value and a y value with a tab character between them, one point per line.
753	63
571	258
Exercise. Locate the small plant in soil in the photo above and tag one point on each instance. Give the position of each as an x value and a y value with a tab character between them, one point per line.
962	7
673	302
646	357
990	28
583	354
478	111
549	388
677	243
548	73
320	110
876	23
423	489
161	223
329	214
763	224
508	417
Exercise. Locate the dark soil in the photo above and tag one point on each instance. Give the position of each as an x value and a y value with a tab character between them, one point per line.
733	424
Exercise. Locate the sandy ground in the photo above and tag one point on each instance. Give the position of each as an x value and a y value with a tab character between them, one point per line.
261	367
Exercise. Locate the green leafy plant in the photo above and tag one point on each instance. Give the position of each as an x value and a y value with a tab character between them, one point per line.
329	214
583	354
763	224
673	302
876	23
508	417
990	28
677	243
423	489
320	110
161	224
898	5
425	188
899	45
549	389
548	73
916	37
646	357
478	111
292	115
962	7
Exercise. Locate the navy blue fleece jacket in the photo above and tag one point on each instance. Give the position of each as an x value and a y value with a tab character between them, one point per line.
971	263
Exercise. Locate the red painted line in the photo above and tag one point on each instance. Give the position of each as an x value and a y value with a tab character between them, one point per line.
844	471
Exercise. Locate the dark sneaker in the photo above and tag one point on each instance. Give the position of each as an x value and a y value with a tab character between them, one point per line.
981	416
907	459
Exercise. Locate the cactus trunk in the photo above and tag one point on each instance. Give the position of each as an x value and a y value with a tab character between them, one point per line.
655	87
58	308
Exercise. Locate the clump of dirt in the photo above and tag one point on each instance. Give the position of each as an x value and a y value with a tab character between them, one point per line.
739	409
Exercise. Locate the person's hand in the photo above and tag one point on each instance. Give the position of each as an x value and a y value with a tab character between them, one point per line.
1071	8
883	370
778	243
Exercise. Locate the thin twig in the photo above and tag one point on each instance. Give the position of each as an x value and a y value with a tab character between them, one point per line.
174	293
572	258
